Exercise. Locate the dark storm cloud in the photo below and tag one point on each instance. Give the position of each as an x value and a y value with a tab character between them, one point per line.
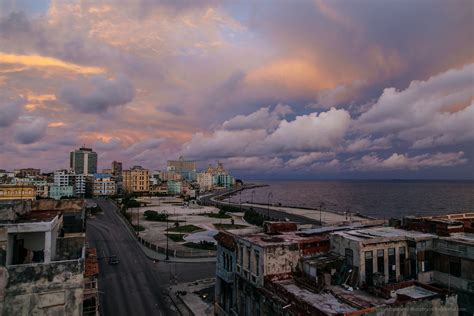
10	110
30	132
105	94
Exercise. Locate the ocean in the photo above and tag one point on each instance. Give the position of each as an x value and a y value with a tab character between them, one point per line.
376	198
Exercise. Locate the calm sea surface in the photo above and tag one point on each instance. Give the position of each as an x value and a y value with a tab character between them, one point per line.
381	199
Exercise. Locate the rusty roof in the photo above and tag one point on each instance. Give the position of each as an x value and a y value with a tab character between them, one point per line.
226	240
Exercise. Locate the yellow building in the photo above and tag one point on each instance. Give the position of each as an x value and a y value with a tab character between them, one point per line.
136	180
17	192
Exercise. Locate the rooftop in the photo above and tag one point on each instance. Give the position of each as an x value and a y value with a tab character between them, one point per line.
324	301
386	233
287	238
465	238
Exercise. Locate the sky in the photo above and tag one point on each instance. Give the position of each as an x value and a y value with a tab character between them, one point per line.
273	89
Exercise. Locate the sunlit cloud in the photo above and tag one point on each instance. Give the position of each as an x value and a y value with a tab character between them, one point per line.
36	61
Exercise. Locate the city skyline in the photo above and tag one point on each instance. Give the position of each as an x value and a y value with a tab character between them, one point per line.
308	89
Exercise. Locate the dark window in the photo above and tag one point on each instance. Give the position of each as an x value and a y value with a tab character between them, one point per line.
455	267
380	261
349	257
369	268
392	268
402	257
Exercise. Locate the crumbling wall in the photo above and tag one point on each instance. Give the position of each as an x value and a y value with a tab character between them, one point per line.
434	307
68	248
11	210
43	289
281	259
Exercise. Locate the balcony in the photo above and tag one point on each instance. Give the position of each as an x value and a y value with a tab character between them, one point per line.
227	276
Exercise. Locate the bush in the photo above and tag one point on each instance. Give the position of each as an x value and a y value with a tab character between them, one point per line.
204	245
229	208
155	216
254	218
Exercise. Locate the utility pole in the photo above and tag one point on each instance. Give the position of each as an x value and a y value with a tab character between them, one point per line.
167	237
138	221
240	201
321	205
270	195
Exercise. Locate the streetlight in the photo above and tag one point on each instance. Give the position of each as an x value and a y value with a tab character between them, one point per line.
251	196
270	195
321	205
167	232
240	200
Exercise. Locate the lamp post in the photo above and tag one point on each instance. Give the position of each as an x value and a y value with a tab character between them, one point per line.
138	221
251	196
321	205
240	200
167	232
270	195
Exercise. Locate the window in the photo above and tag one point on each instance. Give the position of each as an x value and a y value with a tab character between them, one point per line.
257	263
380	261
392	269
402	257
349	254
369	268
248	259
241	255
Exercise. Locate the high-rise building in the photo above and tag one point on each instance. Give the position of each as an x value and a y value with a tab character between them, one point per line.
117	168
186	168
83	161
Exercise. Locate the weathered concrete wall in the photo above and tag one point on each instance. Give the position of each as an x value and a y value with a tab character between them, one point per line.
43	289
68	248
434	307
3	245
61	205
281	259
10	209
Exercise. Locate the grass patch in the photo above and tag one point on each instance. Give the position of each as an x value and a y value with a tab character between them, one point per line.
229	226
138	228
203	245
185	229
175	237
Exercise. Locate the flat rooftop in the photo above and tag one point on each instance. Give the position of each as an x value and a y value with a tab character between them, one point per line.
415	292
324	301
465	238
389	233
287	238
35	217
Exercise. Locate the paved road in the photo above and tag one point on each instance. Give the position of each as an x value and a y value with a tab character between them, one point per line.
134	286
265	211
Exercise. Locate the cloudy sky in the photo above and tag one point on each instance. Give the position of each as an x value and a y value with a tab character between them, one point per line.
274	89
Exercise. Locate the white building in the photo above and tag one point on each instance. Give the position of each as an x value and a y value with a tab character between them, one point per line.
104	185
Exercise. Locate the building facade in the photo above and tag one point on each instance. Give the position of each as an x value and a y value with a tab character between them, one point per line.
185	168
136	180
205	181
104	185
17	192
174	187
83	161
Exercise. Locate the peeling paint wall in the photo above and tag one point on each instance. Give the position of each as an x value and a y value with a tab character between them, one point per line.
42	289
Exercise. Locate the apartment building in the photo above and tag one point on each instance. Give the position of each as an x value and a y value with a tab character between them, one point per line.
136	180
104	185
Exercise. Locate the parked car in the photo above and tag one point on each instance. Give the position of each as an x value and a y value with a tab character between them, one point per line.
113	260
